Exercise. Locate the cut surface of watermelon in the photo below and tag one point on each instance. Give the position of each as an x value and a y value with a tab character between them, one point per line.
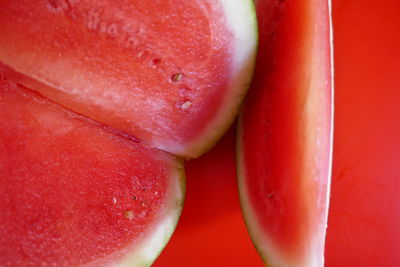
172	73
285	137
76	193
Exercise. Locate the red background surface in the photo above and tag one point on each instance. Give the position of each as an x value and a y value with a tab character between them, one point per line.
364	226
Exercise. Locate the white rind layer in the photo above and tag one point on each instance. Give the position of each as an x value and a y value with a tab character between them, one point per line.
328	193
241	17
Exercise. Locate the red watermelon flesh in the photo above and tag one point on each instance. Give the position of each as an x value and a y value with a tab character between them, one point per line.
74	192
87	188
171	73
286	131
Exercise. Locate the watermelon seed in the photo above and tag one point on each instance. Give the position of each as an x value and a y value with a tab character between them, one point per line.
186	104
270	195
142	203
156	61
134	197
128	214
156	193
177	77
183	104
114	200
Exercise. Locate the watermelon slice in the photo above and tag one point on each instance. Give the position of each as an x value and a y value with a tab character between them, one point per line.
284	141
74	192
171	73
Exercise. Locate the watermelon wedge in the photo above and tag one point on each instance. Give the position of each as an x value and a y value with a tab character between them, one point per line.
285	135
171	73
74	192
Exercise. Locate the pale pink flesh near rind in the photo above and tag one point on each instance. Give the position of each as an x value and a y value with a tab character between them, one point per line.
130	85
303	157
26	118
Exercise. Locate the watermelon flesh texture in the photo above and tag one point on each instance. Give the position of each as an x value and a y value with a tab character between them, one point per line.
171	73
285	134
75	193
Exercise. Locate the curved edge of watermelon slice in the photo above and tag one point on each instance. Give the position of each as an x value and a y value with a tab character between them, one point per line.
153	242
253	227
245	34
249	215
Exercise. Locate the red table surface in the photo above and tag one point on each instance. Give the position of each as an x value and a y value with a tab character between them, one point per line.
211	231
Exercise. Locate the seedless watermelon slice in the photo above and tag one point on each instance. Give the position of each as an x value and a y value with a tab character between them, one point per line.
76	193
285	137
170	72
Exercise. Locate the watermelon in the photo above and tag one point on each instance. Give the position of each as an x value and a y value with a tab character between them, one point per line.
100	101
74	192
171	73
285	135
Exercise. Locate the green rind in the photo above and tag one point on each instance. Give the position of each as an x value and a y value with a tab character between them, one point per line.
239	86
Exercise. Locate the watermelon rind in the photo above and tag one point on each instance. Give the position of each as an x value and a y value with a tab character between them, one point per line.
241	17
